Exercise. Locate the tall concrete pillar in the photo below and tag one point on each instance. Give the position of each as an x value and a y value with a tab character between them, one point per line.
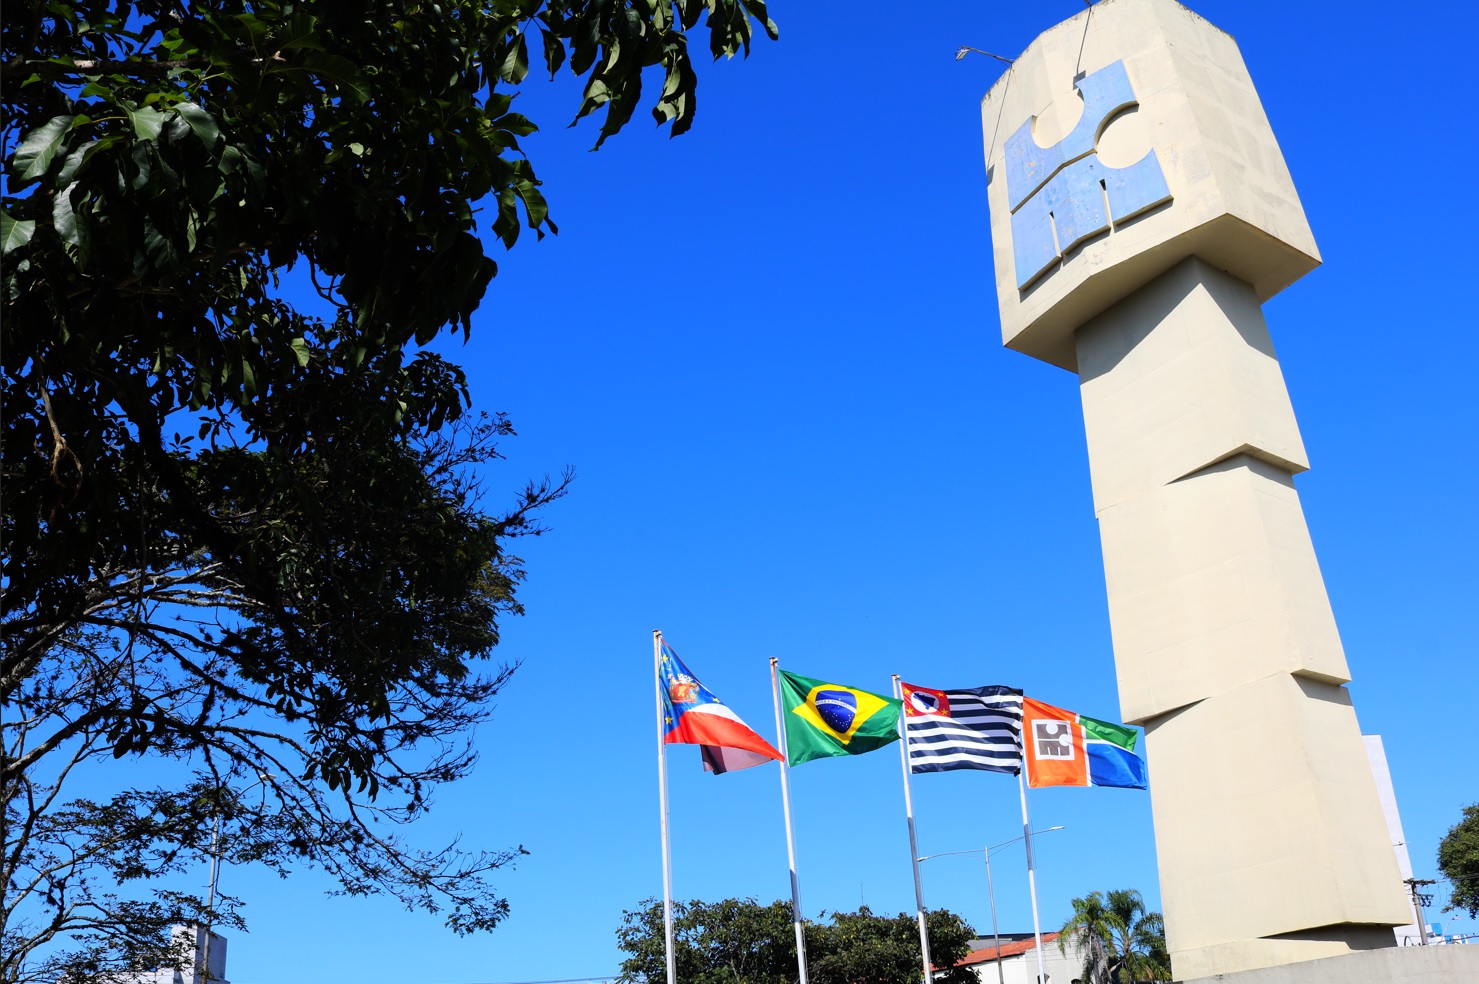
1141	212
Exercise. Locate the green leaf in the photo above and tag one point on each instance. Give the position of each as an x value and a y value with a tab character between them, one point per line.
35	153
13	233
516	123
554	51
757	9
63	219
300	349
73	163
301	32
516	63
143	165
158	247
201	123
147	122
340	70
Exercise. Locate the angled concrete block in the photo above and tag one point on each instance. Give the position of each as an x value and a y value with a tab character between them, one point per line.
1177	377
1213	583
1282	757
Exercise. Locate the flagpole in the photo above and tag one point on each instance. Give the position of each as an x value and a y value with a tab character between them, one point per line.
924	936
780	730
662	798
1031	876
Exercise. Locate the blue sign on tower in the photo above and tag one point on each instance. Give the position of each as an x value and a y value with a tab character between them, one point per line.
1062	195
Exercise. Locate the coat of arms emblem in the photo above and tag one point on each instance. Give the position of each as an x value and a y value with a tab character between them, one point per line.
683	690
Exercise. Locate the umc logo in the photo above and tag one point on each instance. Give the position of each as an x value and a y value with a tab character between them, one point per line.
1053	740
1062	195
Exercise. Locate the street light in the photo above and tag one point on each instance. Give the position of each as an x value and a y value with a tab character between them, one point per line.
990	890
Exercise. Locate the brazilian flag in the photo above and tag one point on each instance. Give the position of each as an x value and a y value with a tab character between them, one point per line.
825	719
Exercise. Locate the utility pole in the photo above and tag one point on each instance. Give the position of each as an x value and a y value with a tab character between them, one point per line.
204	976
1420	899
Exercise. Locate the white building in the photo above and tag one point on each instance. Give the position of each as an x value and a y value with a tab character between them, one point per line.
1017	963
1410	934
191	973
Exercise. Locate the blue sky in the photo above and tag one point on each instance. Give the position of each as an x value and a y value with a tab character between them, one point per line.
770	349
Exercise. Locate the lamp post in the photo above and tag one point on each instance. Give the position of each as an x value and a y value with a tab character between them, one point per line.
990	890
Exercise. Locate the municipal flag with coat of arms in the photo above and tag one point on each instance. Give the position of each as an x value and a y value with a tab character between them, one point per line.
824	719
1067	749
694	716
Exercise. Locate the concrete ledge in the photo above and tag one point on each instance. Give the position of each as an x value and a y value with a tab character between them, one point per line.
1389	965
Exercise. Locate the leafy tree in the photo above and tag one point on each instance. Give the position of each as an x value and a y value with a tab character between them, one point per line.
1120	940
1458	860
244	536
861	948
736	940
739	941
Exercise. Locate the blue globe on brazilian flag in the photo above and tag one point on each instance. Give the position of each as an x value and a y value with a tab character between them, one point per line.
825	719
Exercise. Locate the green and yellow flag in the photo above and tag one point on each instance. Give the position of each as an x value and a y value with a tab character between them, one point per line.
825	719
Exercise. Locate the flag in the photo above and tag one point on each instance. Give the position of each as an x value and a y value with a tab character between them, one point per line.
694	716
963	729
824	719
1068	749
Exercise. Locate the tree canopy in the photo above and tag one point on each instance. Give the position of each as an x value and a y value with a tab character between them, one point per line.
244	534
1121	941
740	941
1458	860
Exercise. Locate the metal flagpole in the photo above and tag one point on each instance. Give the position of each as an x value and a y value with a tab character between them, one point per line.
662	796
1031	876
924	936
780	730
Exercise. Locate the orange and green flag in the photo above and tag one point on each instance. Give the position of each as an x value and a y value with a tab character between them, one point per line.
1067	749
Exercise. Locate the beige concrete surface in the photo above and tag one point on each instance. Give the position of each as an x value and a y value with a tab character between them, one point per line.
1179	376
1270	839
1267	822
1211	575
1233	200
1391	965
1212	584
1270	836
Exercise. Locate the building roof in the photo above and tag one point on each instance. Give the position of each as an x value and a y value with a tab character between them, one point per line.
1012	949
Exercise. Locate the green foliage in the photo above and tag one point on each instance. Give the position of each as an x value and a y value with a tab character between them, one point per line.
861	948
730	941
243	535
739	941
1120	940
1458	860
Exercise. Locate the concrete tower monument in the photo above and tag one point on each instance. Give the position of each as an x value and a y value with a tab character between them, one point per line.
1140	214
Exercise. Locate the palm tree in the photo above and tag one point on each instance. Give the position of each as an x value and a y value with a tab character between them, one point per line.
1089	929
1121	941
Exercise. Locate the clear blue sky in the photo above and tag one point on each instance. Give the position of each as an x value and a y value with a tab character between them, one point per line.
770	349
